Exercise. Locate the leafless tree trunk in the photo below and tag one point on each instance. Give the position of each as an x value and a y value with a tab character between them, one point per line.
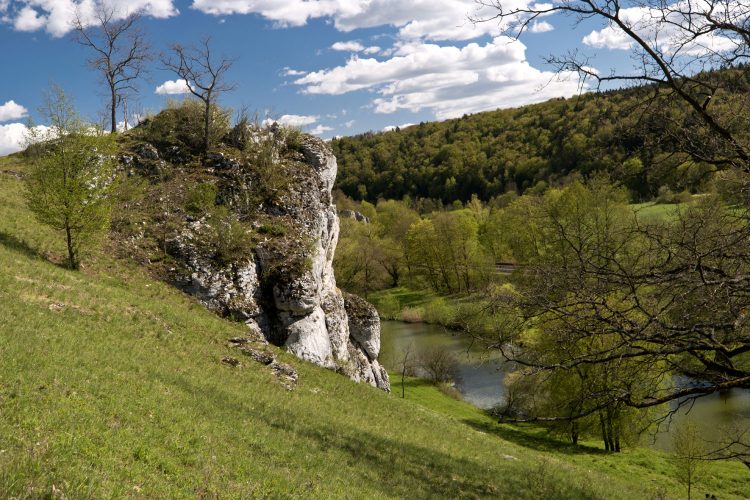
120	52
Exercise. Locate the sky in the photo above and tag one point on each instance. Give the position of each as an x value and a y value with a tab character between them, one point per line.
331	67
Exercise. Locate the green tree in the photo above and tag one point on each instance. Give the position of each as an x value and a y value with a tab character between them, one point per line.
71	176
689	454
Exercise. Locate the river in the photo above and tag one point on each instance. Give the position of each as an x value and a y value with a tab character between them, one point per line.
481	374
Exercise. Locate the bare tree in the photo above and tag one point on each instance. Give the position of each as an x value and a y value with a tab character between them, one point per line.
204	75
439	363
120	51
406	363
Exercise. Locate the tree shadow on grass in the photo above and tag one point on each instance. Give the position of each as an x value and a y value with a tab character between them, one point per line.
528	436
15	244
528	439
395	465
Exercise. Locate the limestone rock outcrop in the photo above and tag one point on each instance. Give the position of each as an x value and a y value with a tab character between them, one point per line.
284	287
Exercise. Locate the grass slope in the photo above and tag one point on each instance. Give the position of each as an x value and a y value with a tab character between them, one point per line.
111	385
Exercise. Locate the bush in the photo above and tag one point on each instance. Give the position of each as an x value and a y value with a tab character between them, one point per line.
264	162
272	229
666	196
201	198
228	238
388	307
181	123
439	312
440	365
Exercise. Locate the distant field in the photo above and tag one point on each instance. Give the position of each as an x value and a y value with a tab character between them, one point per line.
111	386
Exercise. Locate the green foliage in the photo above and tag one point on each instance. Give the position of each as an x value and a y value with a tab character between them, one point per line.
291	138
69	182
263	159
689	454
272	229
229	239
555	142
201	198
181	124
444	252
438	312
388	307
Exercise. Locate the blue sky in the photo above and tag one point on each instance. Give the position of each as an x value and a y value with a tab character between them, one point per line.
334	67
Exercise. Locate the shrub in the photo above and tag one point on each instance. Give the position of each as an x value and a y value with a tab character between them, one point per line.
440	365
439	312
264	162
228	238
181	123
201	198
272	229
389	307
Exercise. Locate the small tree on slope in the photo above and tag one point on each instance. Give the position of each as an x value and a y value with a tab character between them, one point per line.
71	176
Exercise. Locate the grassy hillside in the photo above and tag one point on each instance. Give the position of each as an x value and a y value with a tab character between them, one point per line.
112	385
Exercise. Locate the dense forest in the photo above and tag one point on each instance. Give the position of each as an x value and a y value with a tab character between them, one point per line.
536	146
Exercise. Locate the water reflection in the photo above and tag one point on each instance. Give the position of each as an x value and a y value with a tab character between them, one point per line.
480	372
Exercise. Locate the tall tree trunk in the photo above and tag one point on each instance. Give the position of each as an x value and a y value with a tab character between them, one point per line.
603	425
72	259
113	114
206	125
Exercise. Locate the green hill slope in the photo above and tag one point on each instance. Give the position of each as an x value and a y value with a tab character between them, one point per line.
112	385
490	153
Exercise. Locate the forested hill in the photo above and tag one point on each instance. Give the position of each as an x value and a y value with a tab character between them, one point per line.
490	153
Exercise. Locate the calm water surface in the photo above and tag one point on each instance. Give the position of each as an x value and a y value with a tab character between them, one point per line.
481	373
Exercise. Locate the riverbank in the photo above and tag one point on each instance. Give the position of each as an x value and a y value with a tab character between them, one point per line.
423	306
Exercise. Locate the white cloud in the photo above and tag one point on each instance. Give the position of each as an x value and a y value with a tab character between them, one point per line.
293	120
608	38
28	19
415	19
540	27
173	87
287	71
354	46
56	16
665	32
349	124
320	129
12	111
348	46
450	81
391	128
14	137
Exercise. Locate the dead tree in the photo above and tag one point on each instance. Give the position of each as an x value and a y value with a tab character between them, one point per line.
120	51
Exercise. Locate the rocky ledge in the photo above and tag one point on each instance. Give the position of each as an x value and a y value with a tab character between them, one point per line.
283	285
